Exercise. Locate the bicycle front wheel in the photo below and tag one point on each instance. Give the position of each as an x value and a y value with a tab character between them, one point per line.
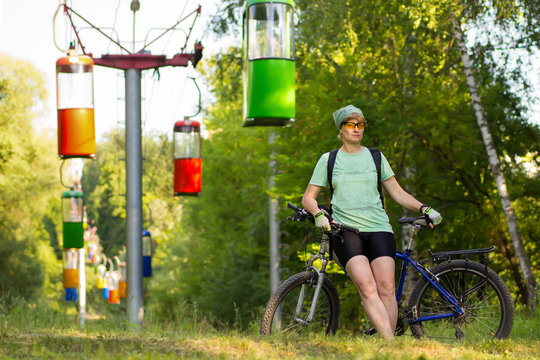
288	309
480	293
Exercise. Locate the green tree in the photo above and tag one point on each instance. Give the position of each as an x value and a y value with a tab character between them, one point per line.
27	182
404	70
218	260
103	185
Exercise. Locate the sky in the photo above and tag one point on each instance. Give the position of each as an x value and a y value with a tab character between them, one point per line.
26	32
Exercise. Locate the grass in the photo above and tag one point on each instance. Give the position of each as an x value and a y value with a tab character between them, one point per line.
37	332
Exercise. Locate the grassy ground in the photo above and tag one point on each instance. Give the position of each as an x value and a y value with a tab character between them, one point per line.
27	332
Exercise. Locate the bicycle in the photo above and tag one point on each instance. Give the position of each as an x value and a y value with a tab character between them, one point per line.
455	299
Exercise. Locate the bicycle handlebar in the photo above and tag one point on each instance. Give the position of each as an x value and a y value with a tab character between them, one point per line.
342	227
295	208
302	215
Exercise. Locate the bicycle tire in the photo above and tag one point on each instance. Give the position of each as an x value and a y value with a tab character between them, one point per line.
286	296
485	298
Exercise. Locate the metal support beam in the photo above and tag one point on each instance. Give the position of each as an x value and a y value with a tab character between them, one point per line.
134	224
133	65
275	256
274	227
82	286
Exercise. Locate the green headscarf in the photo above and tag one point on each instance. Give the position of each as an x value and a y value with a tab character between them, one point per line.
342	114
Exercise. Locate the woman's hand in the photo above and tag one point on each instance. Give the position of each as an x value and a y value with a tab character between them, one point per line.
434	217
322	221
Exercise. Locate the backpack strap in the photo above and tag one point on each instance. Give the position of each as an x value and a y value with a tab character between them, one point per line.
376	154
330	169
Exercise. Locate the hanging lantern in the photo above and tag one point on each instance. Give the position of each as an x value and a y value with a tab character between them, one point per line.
96	257
112	286
75	104
268	63
147	253
71	273
122	281
85	218
105	290
187	158
101	270
92	251
72	213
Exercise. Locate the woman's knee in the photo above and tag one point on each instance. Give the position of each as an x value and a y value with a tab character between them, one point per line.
367	288
386	288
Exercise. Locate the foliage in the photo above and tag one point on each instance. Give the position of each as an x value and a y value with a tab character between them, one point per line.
103	185
27	183
217	262
399	63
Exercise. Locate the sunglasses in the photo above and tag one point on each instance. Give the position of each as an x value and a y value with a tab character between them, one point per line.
351	125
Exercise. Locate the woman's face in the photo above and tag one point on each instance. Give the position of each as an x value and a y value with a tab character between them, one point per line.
352	129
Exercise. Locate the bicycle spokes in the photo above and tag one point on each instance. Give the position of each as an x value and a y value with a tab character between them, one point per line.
485	303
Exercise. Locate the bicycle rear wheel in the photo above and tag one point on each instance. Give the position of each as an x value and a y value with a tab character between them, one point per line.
279	315
482	295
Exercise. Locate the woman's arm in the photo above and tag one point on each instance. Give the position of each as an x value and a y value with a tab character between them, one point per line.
309	201
402	197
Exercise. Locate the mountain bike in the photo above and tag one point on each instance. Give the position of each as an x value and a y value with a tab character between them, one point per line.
454	299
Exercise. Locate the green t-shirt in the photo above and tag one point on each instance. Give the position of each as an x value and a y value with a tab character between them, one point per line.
356	201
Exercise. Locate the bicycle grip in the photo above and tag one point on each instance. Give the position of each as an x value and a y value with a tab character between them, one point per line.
348	228
291	206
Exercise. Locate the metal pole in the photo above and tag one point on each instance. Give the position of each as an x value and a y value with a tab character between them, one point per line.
275	257
82	286
134	197
274	241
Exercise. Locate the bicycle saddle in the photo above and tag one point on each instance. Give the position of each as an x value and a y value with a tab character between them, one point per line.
419	220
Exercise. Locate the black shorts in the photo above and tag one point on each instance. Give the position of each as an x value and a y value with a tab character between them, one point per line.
370	244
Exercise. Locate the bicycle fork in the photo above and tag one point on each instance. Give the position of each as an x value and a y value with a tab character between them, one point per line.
321	275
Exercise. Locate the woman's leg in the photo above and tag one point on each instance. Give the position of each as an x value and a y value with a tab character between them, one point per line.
360	272
384	272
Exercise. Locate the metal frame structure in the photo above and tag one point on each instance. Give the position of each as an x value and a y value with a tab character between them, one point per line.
133	64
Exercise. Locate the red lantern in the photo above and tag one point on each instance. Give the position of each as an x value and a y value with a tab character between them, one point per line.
187	158
75	104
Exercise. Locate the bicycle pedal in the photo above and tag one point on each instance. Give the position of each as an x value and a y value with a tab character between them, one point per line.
369	332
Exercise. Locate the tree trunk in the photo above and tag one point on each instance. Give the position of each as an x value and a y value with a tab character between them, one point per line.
513	229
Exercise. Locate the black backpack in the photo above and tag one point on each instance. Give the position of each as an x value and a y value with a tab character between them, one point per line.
376	154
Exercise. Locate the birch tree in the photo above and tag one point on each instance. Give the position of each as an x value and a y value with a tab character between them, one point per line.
500	181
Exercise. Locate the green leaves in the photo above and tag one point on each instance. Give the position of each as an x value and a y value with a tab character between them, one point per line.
28	171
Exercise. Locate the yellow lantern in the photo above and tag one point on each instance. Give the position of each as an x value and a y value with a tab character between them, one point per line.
101	270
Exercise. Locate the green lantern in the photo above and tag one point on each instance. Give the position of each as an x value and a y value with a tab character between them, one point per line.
268	63
72	213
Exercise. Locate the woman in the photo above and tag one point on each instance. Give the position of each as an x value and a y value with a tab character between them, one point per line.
369	259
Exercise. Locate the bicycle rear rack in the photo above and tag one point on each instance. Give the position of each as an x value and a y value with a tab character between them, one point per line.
447	255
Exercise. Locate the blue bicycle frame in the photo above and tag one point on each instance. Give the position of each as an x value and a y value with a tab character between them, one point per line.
406	260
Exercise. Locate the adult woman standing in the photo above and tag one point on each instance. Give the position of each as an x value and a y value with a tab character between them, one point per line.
369	258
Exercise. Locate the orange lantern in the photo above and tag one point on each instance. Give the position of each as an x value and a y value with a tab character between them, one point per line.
75	104
122	283
71	268
187	158
112	285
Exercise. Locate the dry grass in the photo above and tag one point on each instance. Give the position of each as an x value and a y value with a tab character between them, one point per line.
39	332
73	344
